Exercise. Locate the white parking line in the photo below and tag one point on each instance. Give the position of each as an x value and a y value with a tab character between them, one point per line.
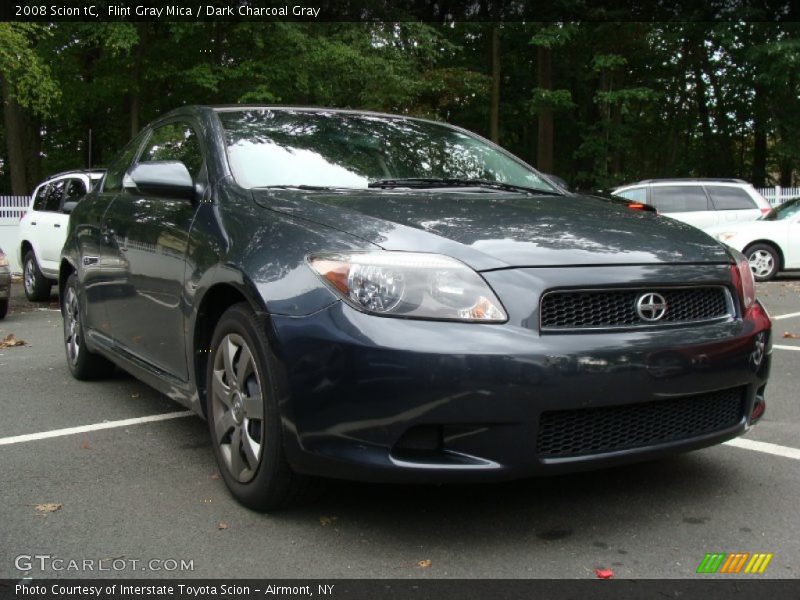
787	316
30	437
785	347
765	447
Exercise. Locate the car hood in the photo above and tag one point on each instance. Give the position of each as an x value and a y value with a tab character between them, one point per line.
488	229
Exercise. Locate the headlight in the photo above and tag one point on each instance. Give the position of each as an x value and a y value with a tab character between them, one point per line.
726	235
3	260
409	284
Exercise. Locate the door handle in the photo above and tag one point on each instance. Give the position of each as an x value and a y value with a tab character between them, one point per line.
33	222
56	224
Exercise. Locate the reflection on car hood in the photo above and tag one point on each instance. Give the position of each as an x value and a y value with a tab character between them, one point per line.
488	229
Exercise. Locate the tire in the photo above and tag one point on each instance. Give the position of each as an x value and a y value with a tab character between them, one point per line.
764	261
37	286
82	363
3	308
246	431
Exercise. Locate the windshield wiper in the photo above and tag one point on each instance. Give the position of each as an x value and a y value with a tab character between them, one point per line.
313	188
421	182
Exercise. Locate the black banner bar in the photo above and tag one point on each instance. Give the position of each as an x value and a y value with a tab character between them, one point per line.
736	588
400	10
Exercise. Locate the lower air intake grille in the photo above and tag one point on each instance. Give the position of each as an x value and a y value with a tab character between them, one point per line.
564	433
578	309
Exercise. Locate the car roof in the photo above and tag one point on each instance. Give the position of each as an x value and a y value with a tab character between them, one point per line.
689	180
90	173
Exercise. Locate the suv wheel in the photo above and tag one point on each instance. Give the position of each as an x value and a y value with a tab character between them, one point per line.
3	308
37	286
82	363
764	261
243	415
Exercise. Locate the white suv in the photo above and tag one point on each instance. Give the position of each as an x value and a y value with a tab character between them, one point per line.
43	229
700	202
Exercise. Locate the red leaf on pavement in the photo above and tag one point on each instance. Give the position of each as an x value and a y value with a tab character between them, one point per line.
604	573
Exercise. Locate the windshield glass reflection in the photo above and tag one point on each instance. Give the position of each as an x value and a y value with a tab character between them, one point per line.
343	150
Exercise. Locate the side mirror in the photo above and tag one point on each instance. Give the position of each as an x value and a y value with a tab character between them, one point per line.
69	206
165	178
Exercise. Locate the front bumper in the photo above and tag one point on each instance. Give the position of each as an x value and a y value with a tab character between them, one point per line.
385	399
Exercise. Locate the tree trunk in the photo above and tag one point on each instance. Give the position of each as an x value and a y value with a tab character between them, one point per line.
494	114
706	169
759	174
785	167
136	79
544	146
13	121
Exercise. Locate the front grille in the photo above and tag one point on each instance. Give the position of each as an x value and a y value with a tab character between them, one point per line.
583	431
578	309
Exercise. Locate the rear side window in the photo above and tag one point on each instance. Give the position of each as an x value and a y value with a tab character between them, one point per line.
679	198
55	196
41	194
176	141
730	198
636	194
76	188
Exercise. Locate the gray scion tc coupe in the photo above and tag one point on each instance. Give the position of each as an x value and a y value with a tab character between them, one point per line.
376	297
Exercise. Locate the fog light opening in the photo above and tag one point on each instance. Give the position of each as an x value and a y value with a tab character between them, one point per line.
421	438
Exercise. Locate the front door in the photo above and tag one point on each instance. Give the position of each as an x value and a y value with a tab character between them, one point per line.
151	235
50	234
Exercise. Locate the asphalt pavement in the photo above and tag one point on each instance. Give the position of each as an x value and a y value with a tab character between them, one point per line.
149	491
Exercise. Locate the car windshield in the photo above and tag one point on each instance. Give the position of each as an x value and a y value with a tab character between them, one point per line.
344	150
784	211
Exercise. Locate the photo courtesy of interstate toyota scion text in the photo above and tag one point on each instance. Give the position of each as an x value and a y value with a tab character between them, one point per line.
373	297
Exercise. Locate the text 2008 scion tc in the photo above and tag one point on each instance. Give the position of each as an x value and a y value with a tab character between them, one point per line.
376	297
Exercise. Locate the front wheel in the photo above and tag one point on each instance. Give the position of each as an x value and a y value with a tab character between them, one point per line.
82	363
764	261
243	415
3	308
37	286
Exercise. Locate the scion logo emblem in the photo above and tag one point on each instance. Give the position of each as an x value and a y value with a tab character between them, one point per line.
651	307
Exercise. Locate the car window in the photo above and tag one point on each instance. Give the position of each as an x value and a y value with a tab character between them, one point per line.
116	171
175	141
75	190
787	210
730	198
679	198
55	195
41	194
344	150
636	194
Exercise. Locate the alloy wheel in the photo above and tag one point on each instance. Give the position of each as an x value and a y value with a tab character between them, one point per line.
761	263
30	277
237	407
72	330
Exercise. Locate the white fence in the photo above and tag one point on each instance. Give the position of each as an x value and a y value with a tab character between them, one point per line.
777	195
12	208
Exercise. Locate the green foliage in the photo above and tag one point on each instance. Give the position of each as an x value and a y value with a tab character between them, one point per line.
630	100
30	79
554	99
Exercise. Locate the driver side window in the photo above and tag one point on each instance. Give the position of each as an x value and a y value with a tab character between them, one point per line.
175	141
